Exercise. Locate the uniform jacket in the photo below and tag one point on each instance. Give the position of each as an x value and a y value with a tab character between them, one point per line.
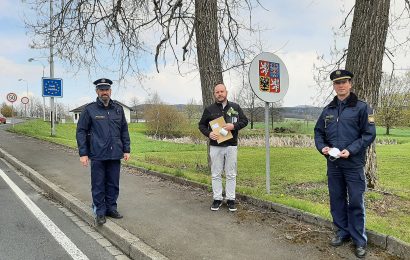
102	132
349	127
213	112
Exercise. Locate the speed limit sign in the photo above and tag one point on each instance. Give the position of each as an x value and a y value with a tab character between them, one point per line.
11	97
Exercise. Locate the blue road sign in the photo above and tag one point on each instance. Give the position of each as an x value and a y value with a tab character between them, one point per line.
52	87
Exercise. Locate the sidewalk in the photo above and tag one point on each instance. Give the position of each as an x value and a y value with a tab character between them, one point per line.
173	220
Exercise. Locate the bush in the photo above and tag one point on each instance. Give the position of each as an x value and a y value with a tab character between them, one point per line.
283	130
164	121
6	110
296	127
196	136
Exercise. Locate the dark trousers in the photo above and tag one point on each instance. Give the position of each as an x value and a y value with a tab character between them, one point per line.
105	185
346	190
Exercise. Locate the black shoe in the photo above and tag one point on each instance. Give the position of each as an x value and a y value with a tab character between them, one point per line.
100	220
360	251
231	205
114	214
216	204
338	241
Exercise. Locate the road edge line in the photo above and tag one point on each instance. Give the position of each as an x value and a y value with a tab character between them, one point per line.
130	244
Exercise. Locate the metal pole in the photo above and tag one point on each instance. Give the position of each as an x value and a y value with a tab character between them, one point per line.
53	131
44	98
267	147
25	105
12	114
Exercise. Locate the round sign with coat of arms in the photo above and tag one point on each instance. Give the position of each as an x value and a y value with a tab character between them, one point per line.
268	77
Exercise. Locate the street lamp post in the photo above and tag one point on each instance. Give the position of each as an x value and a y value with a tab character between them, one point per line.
51	61
44	99
25	105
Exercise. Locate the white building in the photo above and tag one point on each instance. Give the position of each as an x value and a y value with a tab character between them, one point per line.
77	111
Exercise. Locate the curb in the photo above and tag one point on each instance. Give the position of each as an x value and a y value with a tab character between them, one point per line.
391	244
128	243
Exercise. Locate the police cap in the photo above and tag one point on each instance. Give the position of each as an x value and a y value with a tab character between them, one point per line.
102	83
340	75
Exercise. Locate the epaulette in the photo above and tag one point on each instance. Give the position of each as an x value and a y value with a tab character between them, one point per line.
117	103
86	105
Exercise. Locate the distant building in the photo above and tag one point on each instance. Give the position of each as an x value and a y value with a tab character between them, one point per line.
77	111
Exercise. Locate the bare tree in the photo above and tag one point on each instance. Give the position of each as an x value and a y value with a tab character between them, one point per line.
134	104
61	111
393	101
35	107
251	103
274	111
87	29
365	58
192	110
397	39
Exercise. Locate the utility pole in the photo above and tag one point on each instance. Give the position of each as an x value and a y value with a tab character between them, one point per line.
52	117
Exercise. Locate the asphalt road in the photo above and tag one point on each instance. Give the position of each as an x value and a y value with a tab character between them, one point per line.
33	227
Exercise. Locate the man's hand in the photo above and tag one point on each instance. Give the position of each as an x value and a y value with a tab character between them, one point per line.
213	136
344	154
126	156
229	127
84	160
325	150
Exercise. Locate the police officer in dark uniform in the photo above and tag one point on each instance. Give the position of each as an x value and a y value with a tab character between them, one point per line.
347	124
103	138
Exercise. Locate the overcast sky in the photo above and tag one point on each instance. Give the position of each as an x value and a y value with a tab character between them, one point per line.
300	30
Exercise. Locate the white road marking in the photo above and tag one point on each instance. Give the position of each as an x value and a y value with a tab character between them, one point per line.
58	235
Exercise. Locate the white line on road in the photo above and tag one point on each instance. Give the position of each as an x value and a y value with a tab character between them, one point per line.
58	235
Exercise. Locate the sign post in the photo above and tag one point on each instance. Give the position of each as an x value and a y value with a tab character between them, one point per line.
25	101
12	97
269	81
52	87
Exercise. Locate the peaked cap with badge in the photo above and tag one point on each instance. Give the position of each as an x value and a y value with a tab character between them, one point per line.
340	75
103	83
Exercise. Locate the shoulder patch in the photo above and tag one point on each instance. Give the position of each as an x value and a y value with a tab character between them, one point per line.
371	119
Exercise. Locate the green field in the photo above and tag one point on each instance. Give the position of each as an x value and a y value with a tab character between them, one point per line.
298	175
